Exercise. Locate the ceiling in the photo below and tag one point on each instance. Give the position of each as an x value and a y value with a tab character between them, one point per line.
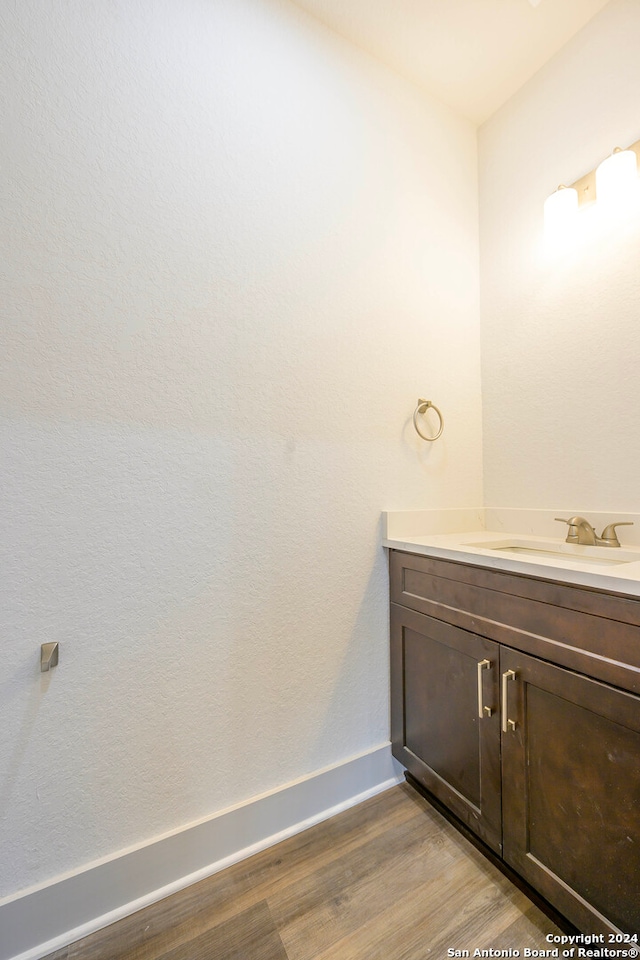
470	54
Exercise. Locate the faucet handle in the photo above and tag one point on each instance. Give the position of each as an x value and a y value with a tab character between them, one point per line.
609	535
572	532
580	531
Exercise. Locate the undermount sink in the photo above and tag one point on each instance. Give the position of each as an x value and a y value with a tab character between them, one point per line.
553	549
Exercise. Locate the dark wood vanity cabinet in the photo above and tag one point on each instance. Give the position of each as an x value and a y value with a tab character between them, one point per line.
513	706
437	733
571	792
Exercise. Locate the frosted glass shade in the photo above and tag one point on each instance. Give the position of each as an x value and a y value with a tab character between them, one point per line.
616	179
560	213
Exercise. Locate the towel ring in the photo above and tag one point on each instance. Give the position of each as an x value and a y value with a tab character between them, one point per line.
423	406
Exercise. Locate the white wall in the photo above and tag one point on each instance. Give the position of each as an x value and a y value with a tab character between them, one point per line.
560	335
236	251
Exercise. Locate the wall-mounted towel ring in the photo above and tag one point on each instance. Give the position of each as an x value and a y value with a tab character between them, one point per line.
423	406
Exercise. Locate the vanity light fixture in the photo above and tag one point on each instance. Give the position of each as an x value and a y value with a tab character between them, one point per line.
616	177
612	186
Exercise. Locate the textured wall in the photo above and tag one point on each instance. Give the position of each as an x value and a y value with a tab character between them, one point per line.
560	334
236	250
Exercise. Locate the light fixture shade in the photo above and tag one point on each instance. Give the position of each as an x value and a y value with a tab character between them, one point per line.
560	215
616	179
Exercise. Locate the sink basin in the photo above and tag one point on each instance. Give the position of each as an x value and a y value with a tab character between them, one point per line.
560	550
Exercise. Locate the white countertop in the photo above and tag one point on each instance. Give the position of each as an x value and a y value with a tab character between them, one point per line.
600	568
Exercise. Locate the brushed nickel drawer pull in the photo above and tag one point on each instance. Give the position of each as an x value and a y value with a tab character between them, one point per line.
482	711
506	723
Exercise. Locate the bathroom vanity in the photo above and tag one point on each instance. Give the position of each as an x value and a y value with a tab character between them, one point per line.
515	692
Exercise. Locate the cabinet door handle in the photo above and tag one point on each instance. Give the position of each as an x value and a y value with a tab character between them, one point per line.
506	723
482	711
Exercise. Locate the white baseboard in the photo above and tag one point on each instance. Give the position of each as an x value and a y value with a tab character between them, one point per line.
44	918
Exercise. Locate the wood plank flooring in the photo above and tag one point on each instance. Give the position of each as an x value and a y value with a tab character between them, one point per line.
390	879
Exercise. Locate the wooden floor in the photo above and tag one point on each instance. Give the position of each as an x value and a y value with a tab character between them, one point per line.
387	880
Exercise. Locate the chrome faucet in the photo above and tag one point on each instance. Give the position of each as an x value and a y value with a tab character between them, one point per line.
581	531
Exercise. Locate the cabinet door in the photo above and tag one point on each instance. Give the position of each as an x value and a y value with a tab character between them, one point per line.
571	791
442	679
